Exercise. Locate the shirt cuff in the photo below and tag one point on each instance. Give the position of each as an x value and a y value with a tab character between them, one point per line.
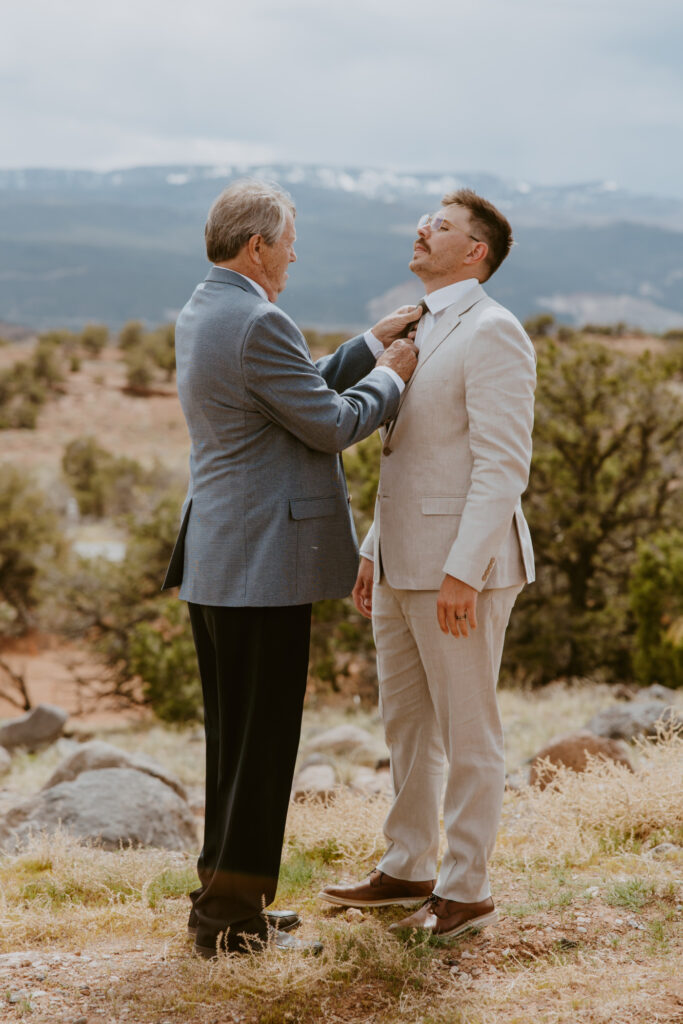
399	382
375	346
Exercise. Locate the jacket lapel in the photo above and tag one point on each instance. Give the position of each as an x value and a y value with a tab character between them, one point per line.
446	325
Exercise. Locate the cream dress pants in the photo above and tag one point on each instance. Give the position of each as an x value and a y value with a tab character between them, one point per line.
439	707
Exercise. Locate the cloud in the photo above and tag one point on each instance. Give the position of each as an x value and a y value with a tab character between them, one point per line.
544	91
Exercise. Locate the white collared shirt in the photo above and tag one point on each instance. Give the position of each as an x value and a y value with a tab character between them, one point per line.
437	304
254	284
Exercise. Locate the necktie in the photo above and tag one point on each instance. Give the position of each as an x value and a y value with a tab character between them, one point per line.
425	309
390	425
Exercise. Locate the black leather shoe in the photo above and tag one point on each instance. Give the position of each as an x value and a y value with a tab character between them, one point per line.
247	942
282	920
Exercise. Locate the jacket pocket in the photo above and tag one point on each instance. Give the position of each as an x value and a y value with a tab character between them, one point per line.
443	506
312	508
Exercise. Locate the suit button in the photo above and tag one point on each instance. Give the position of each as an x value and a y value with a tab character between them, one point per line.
386	450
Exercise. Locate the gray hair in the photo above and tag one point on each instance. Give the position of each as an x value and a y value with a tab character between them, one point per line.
245	208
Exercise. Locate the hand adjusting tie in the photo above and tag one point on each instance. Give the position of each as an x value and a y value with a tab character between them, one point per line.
387	450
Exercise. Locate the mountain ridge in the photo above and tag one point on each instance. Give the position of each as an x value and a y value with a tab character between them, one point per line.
118	245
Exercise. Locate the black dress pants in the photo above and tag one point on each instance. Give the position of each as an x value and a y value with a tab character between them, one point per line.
253	665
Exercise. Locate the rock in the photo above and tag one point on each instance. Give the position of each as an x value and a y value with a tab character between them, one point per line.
111	806
354	915
657	692
662	850
343	739
316	759
318	782
5	761
572	751
96	755
370	783
517	780
639	718
38	727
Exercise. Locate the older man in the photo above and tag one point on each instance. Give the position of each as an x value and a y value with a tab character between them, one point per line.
451	551
266	530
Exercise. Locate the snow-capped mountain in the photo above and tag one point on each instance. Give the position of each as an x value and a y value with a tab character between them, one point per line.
82	245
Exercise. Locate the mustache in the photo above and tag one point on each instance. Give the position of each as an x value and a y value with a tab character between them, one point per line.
421	241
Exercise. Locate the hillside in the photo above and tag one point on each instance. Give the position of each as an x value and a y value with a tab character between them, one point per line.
79	246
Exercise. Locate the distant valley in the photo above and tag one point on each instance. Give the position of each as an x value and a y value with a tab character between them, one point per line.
78	246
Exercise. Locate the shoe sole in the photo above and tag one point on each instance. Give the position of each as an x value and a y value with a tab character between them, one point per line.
192	932
401	901
474	925
306	949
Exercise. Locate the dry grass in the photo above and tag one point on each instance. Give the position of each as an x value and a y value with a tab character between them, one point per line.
590	932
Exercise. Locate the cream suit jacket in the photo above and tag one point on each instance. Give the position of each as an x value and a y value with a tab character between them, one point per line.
460	447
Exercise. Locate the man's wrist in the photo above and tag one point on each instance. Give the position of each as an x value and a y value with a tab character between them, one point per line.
373	343
400	383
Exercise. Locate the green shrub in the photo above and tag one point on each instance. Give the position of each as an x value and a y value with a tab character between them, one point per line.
140	370
30	539
162	654
103	484
94	338
604	475
130	335
656	596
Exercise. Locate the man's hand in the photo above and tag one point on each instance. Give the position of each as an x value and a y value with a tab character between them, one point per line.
362	592
456	607
394	326
401	357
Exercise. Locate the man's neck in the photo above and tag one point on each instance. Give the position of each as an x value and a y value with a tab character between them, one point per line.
433	285
238	266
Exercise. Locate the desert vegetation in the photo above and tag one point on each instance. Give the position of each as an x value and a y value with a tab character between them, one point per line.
586	872
604	504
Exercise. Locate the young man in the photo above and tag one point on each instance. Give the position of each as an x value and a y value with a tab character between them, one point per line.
451	551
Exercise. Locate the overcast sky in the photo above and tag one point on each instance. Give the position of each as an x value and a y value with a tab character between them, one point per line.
547	91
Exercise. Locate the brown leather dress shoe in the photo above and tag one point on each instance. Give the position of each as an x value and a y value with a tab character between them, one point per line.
378	890
448	918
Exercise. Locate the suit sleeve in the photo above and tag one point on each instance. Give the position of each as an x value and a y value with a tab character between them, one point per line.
500	378
288	388
349	364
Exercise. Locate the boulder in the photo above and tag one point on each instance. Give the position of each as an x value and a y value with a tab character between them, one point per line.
96	755
639	718
518	780
38	727
572	751
110	807
368	782
657	692
342	739
317	782
349	741
664	850
5	761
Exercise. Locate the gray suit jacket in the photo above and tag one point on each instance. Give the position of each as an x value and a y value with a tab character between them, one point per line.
266	521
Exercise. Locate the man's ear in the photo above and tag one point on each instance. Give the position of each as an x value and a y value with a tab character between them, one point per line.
477	254
254	248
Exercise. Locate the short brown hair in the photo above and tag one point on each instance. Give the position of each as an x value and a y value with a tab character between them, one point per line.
245	208
487	222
